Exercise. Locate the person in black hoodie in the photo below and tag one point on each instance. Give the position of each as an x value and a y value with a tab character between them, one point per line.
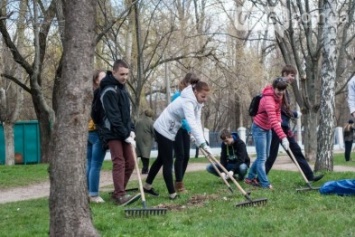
234	156
117	129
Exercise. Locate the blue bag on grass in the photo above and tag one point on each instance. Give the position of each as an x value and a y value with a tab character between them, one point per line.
345	187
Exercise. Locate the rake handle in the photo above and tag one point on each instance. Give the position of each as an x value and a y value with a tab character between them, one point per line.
226	171
219	173
138	176
290	153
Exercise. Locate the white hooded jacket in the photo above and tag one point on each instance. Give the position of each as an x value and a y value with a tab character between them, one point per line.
183	107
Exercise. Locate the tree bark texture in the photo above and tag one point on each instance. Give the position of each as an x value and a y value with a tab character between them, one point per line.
327	102
69	207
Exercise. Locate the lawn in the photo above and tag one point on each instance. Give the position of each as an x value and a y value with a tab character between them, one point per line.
22	175
286	213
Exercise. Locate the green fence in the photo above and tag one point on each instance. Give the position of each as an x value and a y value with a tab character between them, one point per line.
27	142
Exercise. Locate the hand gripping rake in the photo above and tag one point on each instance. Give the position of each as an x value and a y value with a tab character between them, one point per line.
249	202
145	211
219	172
309	188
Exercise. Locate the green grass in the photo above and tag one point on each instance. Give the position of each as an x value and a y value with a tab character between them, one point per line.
287	212
22	175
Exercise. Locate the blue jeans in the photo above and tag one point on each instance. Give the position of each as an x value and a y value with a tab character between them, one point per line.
95	156
262	140
241	170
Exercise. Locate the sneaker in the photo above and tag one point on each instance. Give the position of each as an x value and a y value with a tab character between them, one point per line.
127	199
151	191
253	182
174	197
317	177
96	199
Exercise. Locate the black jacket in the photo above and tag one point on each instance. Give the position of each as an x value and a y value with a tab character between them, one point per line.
117	122
238	149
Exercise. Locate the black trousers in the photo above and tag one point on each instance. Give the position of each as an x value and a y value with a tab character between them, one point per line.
348	146
182	153
165	159
296	150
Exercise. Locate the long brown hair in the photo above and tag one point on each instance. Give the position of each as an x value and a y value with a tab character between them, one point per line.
95	76
190	78
200	86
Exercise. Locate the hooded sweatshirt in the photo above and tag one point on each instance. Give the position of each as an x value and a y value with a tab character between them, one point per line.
269	112
185	106
117	122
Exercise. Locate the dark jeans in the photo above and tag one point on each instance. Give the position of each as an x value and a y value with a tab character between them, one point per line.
348	146
165	159
122	165
182	153
296	150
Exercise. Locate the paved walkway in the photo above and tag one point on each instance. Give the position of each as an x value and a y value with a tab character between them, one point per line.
42	189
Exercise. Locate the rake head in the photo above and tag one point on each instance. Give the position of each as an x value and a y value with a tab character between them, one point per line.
252	203
142	212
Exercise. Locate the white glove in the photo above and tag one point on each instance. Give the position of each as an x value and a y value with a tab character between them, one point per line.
192	139
223	175
285	143
132	135
131	141
207	149
299	114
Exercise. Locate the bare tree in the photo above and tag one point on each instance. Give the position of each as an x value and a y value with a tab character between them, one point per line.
327	101
69	207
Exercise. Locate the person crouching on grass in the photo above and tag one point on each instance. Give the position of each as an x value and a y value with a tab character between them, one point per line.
188	105
234	156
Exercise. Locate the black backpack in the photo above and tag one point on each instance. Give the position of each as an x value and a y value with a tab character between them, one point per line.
254	105
97	109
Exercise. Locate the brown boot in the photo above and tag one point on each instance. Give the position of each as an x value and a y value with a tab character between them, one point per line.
179	187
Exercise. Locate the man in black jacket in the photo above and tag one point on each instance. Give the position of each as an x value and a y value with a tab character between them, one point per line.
117	130
234	156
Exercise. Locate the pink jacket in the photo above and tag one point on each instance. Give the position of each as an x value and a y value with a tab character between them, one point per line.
269	112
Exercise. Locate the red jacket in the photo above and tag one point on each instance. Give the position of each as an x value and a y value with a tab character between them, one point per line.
269	112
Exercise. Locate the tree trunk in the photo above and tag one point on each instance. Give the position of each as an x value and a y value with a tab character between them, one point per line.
69	207
9	142
327	105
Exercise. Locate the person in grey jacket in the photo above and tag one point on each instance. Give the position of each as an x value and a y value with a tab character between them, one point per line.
144	138
188	105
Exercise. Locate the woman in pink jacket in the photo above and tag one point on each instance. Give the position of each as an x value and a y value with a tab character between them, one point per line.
267	118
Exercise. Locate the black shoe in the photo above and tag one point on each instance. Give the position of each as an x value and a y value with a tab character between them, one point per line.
145	171
151	191
317	177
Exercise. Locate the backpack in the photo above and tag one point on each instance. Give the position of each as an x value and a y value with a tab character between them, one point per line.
254	105
97	110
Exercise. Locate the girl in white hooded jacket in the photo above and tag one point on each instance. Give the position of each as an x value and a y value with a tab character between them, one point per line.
188	106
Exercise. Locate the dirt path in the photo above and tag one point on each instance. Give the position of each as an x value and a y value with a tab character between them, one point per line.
42	189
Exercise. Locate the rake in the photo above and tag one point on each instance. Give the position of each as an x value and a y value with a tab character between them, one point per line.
309	188
250	202
219	173
145	211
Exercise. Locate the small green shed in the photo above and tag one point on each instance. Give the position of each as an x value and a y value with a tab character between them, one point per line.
27	142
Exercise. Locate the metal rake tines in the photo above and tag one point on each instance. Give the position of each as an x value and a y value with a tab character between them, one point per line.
252	203
145	212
